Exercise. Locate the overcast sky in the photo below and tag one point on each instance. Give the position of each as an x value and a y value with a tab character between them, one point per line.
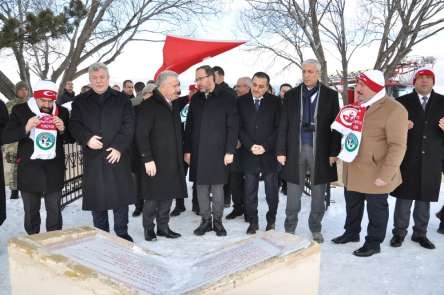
140	60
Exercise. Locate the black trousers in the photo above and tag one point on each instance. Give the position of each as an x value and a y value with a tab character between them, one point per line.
31	206
251	196
159	210
140	199
237	190
378	214
100	220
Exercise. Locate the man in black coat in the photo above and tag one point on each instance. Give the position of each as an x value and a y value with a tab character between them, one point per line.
422	165
159	140
3	120
68	93
306	143
128	89
102	122
39	176
236	178
210	141
259	114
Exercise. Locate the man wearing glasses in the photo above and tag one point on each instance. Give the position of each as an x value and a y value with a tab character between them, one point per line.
210	141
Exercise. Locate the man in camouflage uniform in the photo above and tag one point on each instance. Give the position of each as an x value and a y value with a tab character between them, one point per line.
10	150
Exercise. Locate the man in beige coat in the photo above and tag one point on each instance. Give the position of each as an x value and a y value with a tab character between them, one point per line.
375	170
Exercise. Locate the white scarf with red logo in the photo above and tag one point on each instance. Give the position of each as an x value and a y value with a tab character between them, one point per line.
45	134
350	122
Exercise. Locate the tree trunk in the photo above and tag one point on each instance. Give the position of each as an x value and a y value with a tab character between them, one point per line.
7	88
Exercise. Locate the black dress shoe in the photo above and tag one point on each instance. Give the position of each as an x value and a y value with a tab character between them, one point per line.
14	195
270	226
235	213
366	251
150	235
424	242
177	211
137	211
218	227
204	227
344	239
126	237
396	241
251	230
168	233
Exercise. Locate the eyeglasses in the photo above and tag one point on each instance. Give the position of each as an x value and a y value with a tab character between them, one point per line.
200	79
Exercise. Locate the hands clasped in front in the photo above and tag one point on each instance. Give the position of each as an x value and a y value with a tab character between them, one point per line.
95	143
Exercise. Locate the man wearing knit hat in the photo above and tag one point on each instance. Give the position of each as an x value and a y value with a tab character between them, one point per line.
373	145
10	150
422	164
39	127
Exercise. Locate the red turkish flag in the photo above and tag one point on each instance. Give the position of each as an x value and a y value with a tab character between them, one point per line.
179	54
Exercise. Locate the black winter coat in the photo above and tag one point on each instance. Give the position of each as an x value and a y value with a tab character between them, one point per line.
211	132
3	121
422	165
105	186
327	142
36	176
258	127
159	139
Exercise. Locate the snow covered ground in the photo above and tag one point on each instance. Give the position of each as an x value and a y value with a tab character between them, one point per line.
407	270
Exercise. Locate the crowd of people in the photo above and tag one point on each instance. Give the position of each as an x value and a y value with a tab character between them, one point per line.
138	149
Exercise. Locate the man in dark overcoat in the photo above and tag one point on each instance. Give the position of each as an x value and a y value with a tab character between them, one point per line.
210	140
259	114
306	144
39	176
159	140
422	165
102	122
3	120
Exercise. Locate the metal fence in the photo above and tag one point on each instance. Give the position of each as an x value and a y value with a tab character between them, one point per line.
72	189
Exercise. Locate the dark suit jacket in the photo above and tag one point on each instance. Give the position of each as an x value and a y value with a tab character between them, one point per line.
258	127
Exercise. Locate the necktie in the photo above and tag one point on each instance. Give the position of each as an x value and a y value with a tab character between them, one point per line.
257	104
424	102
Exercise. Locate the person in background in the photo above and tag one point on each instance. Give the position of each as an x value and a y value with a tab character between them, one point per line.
137	168
138	87
3	121
116	87
10	150
67	94
85	88
182	105
236	174
282	90
128	88
219	76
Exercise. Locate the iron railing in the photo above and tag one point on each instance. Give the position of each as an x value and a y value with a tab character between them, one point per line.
72	190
